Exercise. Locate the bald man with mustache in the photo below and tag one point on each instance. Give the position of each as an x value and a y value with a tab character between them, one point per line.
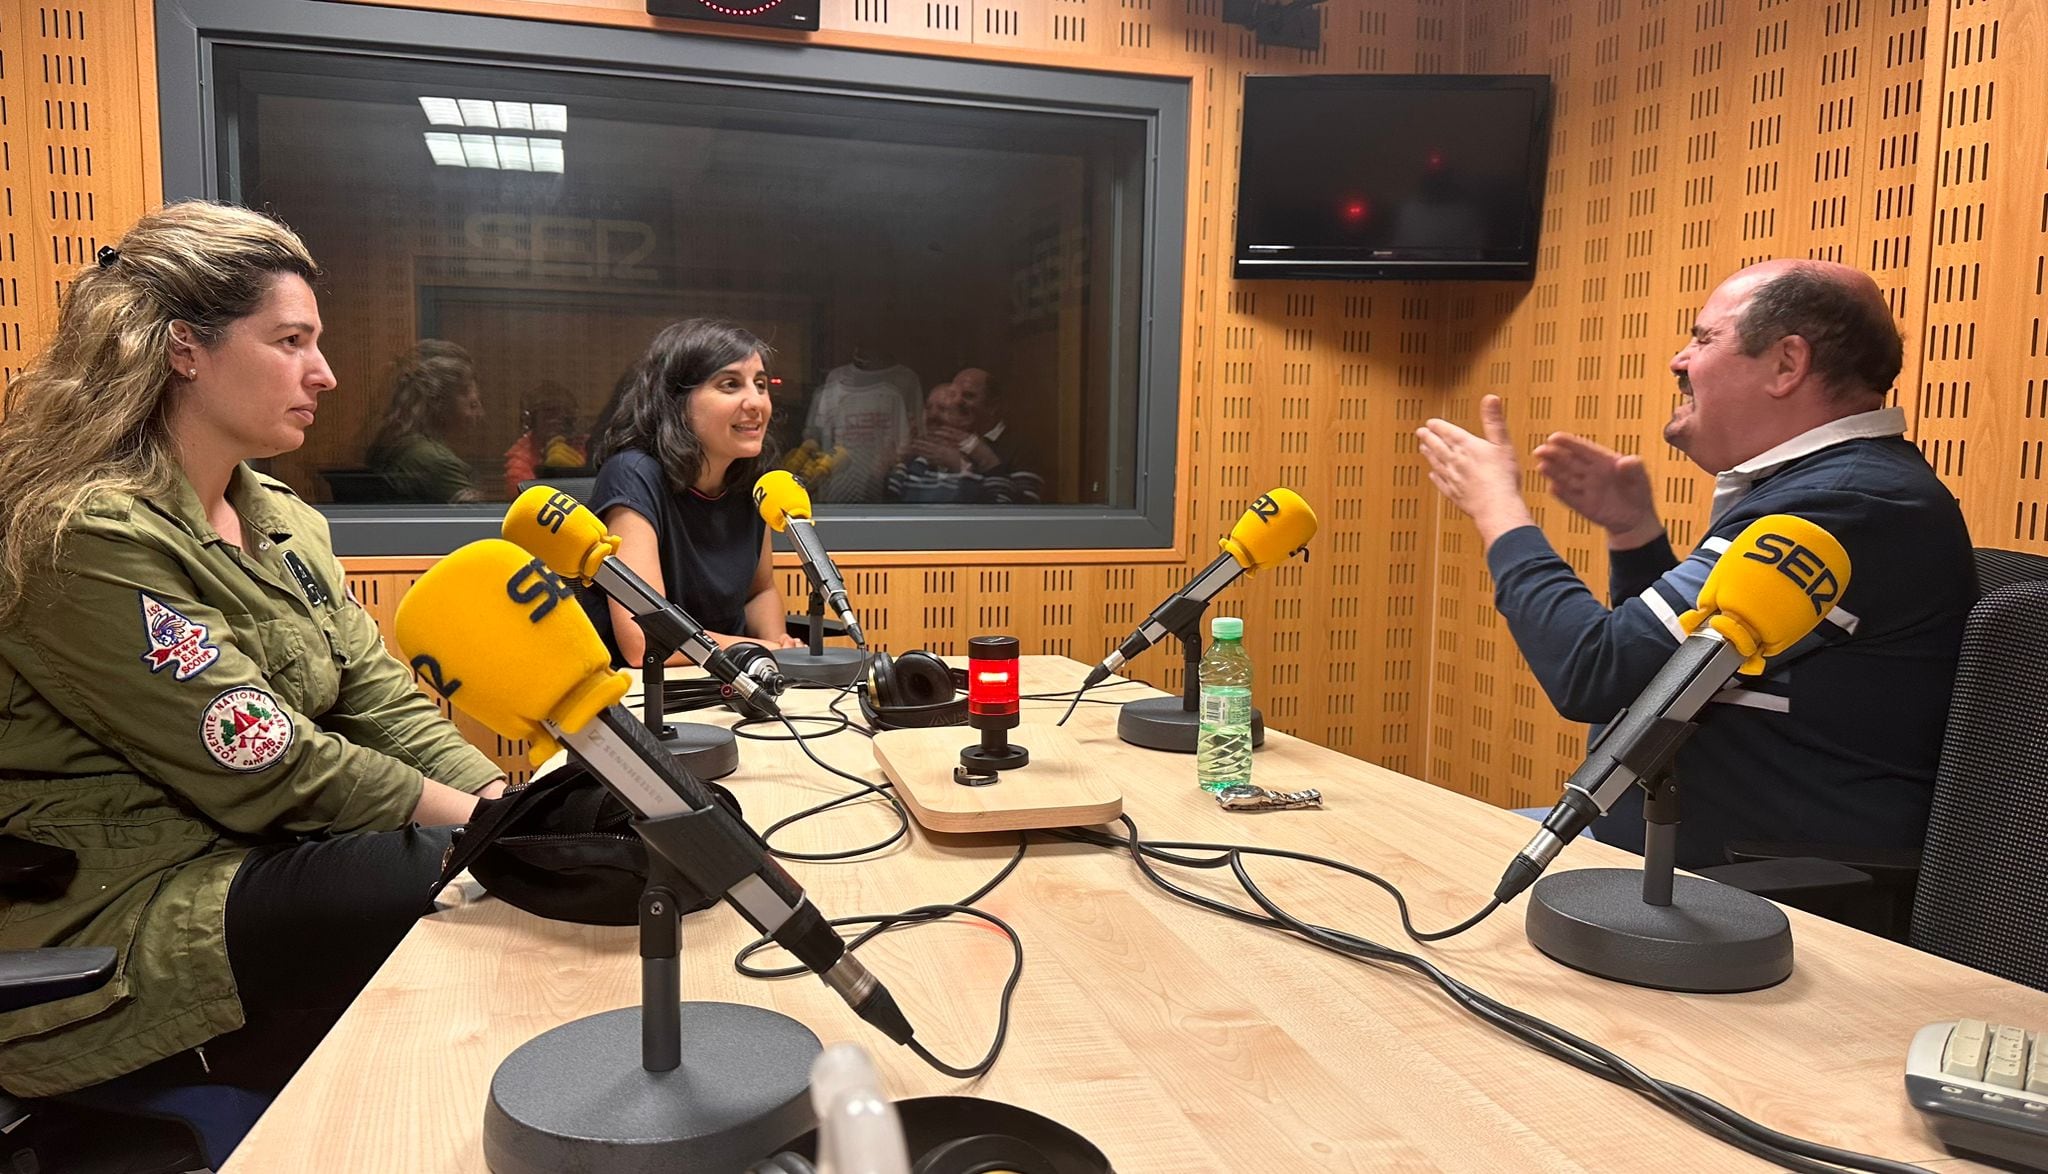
1782	398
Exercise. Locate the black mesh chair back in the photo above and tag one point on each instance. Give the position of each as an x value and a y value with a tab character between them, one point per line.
2003	568
1983	894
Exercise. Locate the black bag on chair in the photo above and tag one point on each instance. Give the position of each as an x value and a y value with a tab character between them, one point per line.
563	847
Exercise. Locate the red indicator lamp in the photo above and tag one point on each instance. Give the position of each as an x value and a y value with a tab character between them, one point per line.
992	704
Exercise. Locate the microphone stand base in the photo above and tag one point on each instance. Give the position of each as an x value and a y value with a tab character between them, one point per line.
1711	939
833	667
707	751
576	1097
1165	723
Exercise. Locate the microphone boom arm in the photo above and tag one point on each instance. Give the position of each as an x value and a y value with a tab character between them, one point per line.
1636	747
706	845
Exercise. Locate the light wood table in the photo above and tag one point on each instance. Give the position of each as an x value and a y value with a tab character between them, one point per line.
1175	1039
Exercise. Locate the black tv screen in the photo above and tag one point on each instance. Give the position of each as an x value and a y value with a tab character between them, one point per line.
1392	176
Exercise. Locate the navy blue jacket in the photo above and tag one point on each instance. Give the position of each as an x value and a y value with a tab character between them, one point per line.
1838	741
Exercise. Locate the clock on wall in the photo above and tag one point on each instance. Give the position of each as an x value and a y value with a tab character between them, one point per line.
782	14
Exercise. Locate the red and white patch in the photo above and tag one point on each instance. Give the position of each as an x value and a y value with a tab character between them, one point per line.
245	729
174	640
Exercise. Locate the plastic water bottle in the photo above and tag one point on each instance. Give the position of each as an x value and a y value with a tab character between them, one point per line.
1223	747
858	1132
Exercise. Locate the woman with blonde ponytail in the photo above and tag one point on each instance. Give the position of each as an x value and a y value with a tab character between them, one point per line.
191	704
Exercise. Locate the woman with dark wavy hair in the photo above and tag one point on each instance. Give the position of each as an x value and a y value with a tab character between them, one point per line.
677	464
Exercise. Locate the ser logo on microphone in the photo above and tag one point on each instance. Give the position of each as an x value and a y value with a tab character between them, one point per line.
1799	564
426	666
554	511
535	583
1265	507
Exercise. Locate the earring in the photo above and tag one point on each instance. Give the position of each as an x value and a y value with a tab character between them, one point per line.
192	373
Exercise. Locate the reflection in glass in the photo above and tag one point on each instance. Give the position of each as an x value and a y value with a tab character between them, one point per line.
950	288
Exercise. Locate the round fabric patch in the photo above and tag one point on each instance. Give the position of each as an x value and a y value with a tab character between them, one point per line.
245	729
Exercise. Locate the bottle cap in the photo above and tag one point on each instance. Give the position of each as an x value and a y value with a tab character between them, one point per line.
1226	628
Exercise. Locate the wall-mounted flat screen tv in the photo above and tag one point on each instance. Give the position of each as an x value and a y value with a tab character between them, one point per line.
1401	177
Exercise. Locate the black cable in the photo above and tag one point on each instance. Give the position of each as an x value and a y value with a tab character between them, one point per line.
1078	693
1722	1122
922	915
858	727
838	721
1692	1107
1162	849
867	789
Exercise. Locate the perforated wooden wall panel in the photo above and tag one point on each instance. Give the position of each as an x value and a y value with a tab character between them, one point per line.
1692	136
74	165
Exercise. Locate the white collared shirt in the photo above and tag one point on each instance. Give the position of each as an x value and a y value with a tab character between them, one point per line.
992	435
1732	486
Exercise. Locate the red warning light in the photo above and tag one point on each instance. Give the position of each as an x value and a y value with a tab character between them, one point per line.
1355	211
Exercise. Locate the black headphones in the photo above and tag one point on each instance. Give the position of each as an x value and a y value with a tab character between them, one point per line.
915	691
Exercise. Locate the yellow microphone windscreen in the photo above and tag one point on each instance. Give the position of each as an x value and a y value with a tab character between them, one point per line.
555	528
1772	586
1275	526
780	496
503	638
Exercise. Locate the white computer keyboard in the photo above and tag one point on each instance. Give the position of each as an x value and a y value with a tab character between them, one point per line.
1983	1087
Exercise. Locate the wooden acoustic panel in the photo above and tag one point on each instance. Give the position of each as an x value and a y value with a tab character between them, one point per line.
75	165
1692	136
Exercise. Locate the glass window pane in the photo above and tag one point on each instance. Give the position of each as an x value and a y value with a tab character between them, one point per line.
951	288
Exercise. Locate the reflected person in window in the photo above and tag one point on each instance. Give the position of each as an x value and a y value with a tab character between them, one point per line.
676	470
962	457
434	396
860	416
197	707
548	439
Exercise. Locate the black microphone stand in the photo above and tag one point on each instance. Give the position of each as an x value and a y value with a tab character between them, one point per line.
573	1099
1175	723
707	751
1654	928
816	664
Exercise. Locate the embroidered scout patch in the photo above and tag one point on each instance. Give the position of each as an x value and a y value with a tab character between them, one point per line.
245	729
174	640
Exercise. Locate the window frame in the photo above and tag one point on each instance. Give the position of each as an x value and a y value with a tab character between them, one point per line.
189	30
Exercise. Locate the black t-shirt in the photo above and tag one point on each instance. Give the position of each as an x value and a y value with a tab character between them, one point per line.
710	546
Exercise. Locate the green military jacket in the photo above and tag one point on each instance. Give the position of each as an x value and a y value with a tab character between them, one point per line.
168	701
420	468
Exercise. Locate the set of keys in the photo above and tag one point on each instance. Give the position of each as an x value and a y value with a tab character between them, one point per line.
1248	797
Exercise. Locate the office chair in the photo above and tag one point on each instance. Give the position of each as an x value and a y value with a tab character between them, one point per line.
1981	881
194	1125
1964	895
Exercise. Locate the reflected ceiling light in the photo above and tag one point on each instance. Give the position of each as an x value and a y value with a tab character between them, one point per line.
442	111
480	151
494	152
512	153
484	112
478	111
446	149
